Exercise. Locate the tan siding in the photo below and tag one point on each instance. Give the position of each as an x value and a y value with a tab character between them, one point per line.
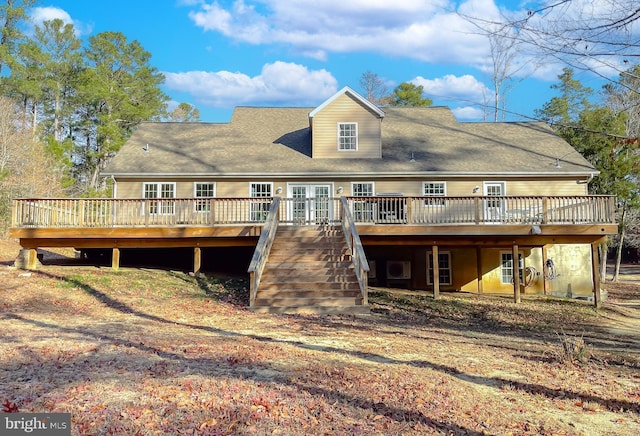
325	130
546	187
131	188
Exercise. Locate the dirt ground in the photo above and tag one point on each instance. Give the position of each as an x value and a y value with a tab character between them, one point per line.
147	351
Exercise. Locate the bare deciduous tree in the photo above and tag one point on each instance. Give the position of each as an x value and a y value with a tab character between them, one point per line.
26	170
600	37
374	87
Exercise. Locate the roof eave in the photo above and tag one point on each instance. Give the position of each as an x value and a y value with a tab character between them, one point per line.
376	174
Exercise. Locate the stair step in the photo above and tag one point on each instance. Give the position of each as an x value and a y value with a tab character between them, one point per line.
314	310
293	257
297	286
308	239
311	248
309	230
308	301
320	273
284	280
310	265
313	293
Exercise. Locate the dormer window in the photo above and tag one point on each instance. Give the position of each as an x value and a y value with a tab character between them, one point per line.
347	136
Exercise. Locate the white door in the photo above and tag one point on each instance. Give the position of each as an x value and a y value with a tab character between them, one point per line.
494	209
310	204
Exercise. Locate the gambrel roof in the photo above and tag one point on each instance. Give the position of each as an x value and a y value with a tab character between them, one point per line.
270	142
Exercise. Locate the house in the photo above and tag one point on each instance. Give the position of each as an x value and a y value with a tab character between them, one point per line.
420	200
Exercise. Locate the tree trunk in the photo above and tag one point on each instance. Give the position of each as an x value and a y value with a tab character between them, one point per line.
621	233
618	257
603	248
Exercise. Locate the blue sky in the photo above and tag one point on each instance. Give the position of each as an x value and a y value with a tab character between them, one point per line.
220	54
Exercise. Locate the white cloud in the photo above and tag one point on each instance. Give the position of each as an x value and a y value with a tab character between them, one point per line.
38	15
434	31
41	14
463	88
468	113
427	30
279	83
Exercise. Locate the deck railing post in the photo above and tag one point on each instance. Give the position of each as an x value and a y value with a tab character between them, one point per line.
545	210
81	213
145	210
14	213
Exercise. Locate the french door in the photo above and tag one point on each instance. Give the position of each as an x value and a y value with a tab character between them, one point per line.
309	204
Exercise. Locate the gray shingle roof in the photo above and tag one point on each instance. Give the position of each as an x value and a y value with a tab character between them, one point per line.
276	141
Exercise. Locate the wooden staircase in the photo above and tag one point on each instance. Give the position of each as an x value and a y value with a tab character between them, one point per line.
309	270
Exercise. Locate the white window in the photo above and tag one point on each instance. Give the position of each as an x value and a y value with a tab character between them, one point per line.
506	267
161	192
364	189
363	210
347	136
444	268
260	209
434	189
203	190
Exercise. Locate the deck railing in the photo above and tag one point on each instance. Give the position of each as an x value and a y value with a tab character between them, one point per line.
356	250
263	248
588	209
81	213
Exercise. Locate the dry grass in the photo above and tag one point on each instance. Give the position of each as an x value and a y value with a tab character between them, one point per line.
161	352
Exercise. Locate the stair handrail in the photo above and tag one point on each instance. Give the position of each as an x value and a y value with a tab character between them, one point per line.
356	249
263	247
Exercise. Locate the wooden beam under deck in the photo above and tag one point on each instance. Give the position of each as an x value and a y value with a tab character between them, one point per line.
478	241
238	231
247	235
150	237
137	242
488	230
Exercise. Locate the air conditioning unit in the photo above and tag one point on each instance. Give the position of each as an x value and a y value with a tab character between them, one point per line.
372	269
398	269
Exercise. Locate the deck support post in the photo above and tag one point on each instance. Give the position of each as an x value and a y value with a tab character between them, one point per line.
436	272
595	273
545	283
479	268
27	259
115	259
516	274
197	260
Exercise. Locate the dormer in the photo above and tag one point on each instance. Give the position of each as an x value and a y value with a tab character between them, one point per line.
346	126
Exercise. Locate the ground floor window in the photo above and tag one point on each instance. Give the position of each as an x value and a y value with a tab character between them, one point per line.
433	190
160	193
204	190
506	267
260	209
444	267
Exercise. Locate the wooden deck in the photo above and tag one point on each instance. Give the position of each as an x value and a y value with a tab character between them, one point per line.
481	221
206	222
217	212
